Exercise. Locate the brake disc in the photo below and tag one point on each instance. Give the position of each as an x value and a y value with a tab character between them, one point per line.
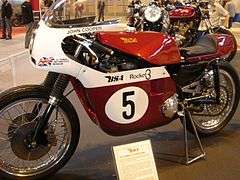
21	139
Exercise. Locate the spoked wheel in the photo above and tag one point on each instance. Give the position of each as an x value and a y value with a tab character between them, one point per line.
20	110
210	119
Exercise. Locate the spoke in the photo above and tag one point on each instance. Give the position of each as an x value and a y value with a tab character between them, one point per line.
27	104
54	120
49	156
36	110
17	109
9	116
61	132
18	164
3	139
6	119
57	124
60	138
42	161
38	107
6	147
9	132
23	164
13	160
29	155
23	108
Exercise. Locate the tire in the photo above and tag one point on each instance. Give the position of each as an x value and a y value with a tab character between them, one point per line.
205	130
21	93
225	31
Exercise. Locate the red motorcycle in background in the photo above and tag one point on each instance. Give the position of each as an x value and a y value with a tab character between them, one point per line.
192	21
187	23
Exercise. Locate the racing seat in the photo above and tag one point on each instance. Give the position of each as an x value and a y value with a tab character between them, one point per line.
204	46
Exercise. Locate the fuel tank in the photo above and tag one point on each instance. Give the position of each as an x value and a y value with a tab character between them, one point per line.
153	47
183	13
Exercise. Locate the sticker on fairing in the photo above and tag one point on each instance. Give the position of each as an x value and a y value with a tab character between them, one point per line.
127	105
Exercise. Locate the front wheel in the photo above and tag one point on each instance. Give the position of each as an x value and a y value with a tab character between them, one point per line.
210	119
20	109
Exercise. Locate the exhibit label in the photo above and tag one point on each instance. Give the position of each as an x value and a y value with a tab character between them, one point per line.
135	161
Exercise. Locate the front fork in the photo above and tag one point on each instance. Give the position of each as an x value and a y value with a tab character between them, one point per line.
48	83
56	94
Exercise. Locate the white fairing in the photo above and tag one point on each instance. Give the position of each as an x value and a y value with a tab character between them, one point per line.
48	55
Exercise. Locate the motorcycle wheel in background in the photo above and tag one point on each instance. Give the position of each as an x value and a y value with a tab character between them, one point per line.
22	159
214	117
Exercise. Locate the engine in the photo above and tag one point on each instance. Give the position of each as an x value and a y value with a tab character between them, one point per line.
181	31
108	64
170	107
98	60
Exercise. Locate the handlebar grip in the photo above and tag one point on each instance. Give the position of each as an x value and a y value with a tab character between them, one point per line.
99	46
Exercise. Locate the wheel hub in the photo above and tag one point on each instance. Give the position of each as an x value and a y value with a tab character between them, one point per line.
22	144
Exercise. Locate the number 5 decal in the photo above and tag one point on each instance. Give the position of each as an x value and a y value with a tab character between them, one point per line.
127	105
130	103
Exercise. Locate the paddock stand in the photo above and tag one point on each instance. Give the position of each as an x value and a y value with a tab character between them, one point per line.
188	158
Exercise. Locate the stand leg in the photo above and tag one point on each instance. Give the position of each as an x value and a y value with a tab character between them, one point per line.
190	160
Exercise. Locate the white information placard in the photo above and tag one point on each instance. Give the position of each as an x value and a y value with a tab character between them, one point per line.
135	161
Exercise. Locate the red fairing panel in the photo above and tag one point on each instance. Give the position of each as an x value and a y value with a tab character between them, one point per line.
156	48
182	13
225	47
96	101
225	44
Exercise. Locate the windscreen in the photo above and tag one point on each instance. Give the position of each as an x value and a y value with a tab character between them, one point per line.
69	12
72	12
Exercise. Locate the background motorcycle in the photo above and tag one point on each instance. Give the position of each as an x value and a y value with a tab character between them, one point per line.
186	22
182	22
127	83
135	15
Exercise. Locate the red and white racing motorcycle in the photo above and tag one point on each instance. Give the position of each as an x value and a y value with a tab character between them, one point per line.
127	82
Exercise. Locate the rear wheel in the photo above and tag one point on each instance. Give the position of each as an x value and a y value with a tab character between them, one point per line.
210	119
21	159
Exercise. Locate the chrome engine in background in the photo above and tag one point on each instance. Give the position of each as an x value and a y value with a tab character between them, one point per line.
170	106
